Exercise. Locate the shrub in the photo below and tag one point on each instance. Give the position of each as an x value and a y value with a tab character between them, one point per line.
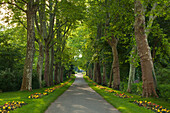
137	88
164	91
123	86
9	81
43	83
35	81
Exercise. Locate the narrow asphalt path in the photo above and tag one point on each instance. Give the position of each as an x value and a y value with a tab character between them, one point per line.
80	98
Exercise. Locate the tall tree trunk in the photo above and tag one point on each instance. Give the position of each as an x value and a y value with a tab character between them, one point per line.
51	67
132	69
98	73
144	51
61	73
56	74
27	73
116	74
104	75
87	72
69	74
90	72
40	63
111	77
94	72
46	72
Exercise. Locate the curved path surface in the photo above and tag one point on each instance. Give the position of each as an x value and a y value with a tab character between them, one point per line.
80	98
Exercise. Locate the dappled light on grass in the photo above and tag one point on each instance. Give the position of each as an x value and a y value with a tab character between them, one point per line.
122	104
121	108
34	105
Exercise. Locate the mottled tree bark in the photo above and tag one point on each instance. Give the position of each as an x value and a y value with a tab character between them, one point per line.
144	51
111	77
87	72
40	63
98	73
132	69
116	74
90	72
51	66
56	74
104	75
69	74
27	73
46	72
61	73
94	72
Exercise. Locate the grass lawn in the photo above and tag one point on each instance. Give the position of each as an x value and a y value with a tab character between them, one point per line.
34	105
125	105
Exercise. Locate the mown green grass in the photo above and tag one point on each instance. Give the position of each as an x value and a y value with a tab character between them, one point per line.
34	105
125	105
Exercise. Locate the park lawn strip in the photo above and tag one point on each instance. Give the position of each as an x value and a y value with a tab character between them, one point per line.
34	105
126	105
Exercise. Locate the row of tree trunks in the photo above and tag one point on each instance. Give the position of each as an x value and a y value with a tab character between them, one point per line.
97	74
144	51
27	73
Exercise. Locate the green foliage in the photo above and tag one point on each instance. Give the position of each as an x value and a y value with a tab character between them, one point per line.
35	81
9	81
43	83
163	74
123	86
137	88
34	105
164	91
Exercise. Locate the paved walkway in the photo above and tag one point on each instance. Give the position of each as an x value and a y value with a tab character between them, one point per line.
80	98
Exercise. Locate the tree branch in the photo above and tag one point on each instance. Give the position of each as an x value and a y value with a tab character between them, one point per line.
36	23
151	19
19	2
17	6
66	30
22	23
25	1
63	34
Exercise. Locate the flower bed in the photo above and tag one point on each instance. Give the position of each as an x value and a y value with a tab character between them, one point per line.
123	95
8	106
154	107
47	91
113	91
35	95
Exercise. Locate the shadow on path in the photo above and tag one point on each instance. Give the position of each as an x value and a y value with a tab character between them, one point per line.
80	98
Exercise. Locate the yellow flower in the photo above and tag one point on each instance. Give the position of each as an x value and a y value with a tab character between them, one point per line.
4	107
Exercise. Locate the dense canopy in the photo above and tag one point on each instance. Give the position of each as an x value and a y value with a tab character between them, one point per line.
123	44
